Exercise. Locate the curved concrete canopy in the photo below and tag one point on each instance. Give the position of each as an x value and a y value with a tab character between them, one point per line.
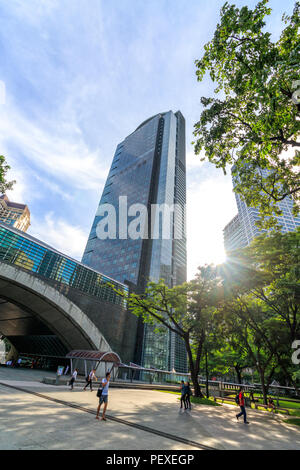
108	356
65	319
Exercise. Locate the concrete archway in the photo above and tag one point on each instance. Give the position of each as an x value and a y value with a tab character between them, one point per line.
27	301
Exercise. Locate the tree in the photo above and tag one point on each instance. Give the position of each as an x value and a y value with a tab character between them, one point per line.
186	310
229	357
274	263
268	272
247	324
256	118
279	257
4	184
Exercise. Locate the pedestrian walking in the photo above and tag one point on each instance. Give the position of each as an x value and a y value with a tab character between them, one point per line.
89	379
73	378
188	396
241	399
103	396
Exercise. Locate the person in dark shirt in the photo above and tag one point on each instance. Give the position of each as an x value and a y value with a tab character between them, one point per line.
188	396
183	392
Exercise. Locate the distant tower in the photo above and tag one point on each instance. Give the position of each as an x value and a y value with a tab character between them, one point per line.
15	214
148	168
241	230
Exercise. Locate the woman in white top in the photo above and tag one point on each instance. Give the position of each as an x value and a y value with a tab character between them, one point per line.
104	396
89	379
73	378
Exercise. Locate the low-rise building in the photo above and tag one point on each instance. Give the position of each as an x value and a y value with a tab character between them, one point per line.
14	213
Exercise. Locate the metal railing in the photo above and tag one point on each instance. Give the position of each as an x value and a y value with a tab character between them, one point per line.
26	252
127	373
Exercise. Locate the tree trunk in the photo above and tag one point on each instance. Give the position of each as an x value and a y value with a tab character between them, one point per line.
263	386
194	370
197	388
238	373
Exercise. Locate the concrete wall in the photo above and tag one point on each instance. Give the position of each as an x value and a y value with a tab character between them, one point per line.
2	352
116	323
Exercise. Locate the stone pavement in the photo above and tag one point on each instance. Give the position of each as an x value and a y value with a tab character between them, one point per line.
30	422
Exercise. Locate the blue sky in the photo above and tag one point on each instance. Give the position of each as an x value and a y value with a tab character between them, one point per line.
80	75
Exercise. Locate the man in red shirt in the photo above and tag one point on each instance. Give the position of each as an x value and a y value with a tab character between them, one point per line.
242	405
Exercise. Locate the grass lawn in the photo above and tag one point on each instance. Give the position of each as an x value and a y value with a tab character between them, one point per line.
293	407
197	400
294	421
289	404
293	412
204	401
223	400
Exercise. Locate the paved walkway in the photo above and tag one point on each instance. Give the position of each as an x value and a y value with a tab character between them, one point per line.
30	422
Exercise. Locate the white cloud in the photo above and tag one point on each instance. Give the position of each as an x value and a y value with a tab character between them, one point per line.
68	159
59	234
19	191
54	188
35	11
193	161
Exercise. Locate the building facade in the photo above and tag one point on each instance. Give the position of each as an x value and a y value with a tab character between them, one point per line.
14	214
147	171
234	235
241	230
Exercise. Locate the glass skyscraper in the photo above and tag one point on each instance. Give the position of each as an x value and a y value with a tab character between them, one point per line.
241	230
148	168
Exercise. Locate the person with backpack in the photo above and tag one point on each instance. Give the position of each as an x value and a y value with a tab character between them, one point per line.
240	400
89	380
73	378
103	396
